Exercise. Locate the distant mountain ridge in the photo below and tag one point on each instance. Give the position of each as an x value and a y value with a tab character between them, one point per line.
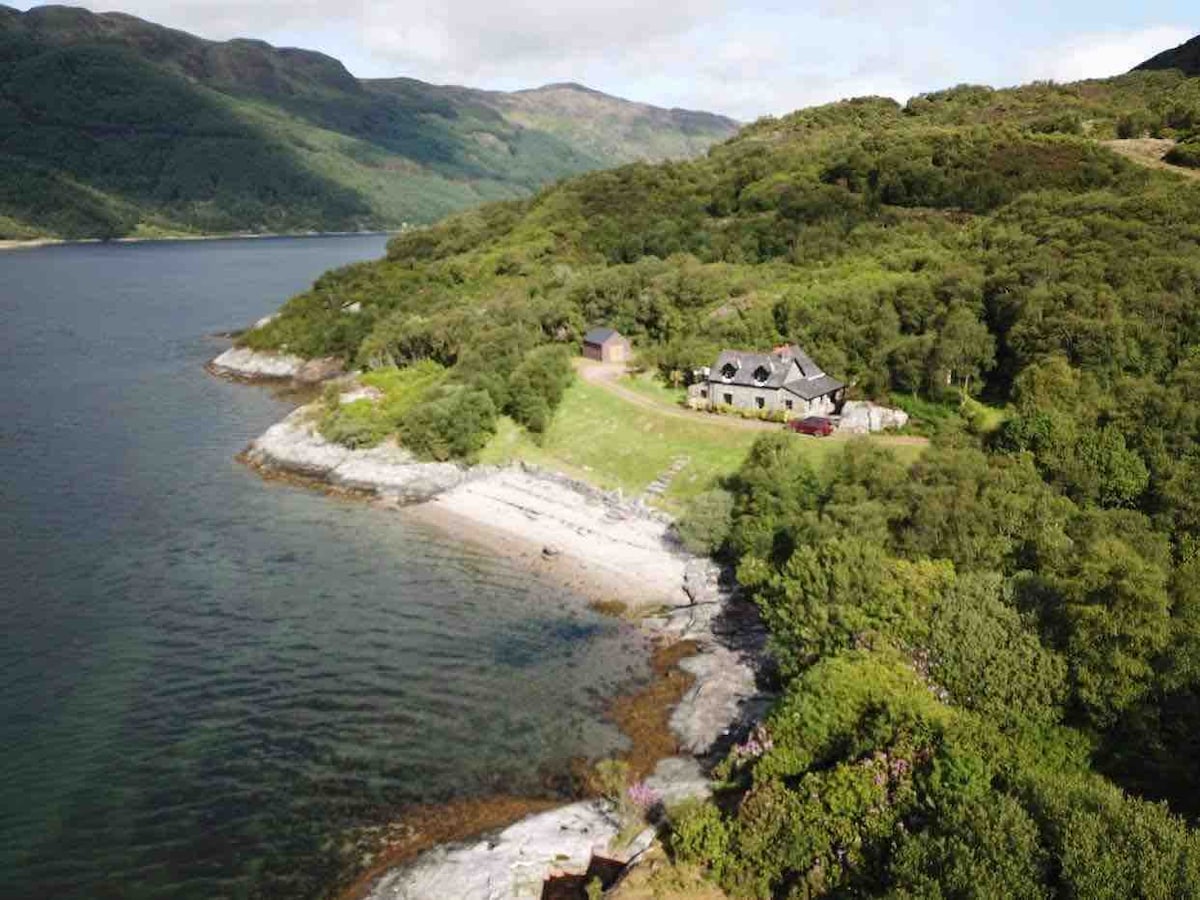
1185	57
112	125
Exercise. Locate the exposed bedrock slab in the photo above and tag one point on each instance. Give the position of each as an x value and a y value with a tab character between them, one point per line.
510	865
296	446
242	362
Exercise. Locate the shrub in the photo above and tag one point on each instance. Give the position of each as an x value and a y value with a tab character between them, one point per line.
364	423
454	422
704	527
1185	154
355	425
699	834
537	385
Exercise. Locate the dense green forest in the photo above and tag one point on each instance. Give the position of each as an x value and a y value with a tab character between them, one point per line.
111	126
989	660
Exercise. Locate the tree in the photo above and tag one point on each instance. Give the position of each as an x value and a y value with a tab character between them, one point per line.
980	846
1117	615
983	654
1103	469
963	351
455	422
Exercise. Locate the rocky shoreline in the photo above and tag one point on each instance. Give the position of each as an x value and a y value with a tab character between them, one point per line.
603	546
25	243
244	364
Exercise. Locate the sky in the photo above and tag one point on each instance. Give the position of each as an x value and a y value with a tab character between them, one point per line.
744	59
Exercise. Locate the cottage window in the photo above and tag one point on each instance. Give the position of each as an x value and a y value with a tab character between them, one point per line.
728	399
788	404
704	393
761	374
760	402
728	370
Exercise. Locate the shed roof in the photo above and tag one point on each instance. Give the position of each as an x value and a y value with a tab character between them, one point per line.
601	335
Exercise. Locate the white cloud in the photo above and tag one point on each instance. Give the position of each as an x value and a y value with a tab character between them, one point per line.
474	40
743	59
1102	54
225	19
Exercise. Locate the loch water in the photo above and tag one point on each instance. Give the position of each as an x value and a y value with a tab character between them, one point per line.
209	681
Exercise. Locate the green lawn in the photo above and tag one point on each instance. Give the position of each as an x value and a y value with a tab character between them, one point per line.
648	384
597	436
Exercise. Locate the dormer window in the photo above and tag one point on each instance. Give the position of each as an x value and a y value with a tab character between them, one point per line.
761	374
728	371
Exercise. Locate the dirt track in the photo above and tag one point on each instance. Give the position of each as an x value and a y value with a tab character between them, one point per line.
1149	152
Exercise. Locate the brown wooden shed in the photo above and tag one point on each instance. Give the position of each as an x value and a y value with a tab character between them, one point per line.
606	345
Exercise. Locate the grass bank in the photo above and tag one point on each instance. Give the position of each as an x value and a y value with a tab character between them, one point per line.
600	437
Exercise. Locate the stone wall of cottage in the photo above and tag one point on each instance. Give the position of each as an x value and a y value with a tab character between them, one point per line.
741	397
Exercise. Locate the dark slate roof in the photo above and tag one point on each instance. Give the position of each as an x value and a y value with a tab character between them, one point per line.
600	335
747	364
808	382
808	368
811	388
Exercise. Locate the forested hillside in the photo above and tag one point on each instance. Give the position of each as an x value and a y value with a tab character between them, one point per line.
989	659
110	125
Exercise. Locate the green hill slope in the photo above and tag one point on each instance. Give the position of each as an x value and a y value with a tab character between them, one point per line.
989	659
111	125
1185	57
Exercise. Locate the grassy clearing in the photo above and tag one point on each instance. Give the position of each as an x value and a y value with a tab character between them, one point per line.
931	417
608	441
649	385
982	418
598	436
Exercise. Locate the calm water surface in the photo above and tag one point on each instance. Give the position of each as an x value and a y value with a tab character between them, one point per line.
206	680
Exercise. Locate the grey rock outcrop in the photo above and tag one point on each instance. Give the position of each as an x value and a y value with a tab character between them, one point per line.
295	446
677	779
261	365
242	362
864	417
512	864
702	581
714	705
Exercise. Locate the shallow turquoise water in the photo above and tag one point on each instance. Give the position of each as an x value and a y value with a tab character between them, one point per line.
206	680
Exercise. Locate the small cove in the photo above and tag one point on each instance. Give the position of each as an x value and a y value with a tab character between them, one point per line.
208	680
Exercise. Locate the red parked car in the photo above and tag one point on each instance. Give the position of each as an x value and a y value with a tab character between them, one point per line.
818	426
